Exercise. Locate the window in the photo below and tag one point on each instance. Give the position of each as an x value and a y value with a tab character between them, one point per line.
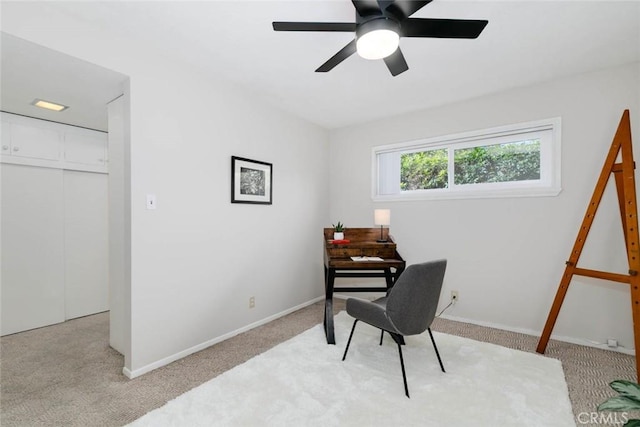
518	160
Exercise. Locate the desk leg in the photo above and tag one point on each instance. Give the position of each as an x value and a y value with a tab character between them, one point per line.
330	276
390	280
397	274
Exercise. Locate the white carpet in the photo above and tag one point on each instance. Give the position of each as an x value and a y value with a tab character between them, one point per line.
303	382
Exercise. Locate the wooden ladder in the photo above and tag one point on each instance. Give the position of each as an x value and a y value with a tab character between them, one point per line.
626	189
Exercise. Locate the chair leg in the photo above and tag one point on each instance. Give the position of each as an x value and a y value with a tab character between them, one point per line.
435	347
400	337
349	342
404	375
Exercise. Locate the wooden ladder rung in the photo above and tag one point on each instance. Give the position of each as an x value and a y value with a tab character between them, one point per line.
618	167
614	277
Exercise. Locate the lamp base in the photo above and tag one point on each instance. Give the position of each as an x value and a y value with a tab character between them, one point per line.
381	239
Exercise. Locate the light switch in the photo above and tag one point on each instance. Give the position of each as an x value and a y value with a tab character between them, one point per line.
151	201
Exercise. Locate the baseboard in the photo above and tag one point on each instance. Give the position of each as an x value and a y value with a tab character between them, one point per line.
563	338
127	373
165	361
571	340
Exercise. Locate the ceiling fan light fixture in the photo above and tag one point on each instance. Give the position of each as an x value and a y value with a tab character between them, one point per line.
377	39
379	26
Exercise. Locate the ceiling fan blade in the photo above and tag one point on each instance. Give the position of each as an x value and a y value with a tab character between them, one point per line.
343	54
367	7
403	8
315	26
443	28
396	63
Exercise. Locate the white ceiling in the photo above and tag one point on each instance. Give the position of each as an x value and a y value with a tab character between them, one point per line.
525	42
29	71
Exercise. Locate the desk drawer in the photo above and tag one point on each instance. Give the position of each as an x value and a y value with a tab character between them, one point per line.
346	252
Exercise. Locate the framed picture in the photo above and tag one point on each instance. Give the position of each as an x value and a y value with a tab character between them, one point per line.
251	181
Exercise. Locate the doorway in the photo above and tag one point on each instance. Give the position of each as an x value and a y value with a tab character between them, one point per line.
48	203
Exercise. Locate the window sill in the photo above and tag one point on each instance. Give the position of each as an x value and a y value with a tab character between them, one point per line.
466	194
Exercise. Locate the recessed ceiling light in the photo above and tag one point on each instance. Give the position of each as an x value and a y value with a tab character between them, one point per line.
48	105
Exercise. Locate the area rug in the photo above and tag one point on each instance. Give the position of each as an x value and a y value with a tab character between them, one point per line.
303	382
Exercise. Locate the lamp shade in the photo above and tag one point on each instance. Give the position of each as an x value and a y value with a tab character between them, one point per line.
382	217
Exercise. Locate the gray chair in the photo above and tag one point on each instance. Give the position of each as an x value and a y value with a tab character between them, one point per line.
408	309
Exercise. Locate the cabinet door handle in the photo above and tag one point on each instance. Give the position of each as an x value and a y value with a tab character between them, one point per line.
5	147
16	148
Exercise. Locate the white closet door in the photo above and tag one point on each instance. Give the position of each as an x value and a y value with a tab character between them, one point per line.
86	243
32	237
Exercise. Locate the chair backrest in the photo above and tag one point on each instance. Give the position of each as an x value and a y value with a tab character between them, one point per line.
413	300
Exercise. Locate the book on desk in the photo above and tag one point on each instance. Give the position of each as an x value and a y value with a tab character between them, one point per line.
366	258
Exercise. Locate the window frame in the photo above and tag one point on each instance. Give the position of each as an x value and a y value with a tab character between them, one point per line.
548	185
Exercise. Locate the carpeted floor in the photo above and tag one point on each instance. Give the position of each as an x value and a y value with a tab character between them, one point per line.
68	375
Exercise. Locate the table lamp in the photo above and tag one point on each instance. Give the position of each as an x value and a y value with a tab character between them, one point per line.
382	217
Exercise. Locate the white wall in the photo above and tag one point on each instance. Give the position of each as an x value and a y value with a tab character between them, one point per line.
506	256
197	259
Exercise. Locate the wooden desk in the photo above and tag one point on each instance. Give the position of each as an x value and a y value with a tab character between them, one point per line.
338	263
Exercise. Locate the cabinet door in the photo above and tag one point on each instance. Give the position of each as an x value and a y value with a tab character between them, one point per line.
34	142
32	236
85	147
5	144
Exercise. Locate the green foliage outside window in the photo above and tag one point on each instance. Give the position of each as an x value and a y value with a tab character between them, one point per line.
497	163
424	170
517	161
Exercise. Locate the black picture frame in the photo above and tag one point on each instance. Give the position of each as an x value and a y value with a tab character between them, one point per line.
251	181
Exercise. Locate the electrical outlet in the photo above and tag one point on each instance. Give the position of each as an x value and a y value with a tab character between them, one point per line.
252	302
454	296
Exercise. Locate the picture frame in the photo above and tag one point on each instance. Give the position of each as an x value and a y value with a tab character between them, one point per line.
251	181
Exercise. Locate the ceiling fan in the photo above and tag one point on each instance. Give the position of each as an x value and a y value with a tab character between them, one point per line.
379	26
